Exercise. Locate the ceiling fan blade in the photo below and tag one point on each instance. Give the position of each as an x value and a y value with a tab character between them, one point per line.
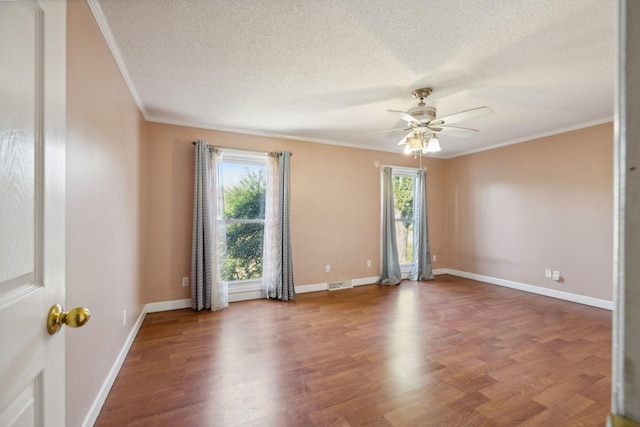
452	130
404	116
462	116
383	131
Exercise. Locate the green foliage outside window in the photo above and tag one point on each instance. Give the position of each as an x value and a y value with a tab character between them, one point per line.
403	204
403	195
244	201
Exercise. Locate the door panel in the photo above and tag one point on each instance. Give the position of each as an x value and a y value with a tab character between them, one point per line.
23	409
32	136
18	85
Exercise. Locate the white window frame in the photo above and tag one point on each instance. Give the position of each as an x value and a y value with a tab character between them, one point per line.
244	289
403	171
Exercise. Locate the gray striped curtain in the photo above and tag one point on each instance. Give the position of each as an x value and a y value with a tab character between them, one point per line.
390	274
277	276
208	291
421	269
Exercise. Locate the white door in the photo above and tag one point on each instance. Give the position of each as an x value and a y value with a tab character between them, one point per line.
32	156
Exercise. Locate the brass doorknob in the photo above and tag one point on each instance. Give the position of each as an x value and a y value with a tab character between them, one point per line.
74	318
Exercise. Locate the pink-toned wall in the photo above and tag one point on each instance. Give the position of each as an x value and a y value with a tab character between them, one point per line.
507	213
105	209
335	206
514	211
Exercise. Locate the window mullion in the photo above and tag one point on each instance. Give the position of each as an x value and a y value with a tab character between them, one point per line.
243	221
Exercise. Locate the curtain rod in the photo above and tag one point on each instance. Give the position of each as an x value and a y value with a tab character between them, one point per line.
233	148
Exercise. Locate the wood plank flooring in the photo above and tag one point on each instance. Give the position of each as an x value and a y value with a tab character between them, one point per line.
450	352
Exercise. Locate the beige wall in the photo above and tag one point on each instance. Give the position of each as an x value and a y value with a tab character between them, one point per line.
546	203
507	213
105	208
335	206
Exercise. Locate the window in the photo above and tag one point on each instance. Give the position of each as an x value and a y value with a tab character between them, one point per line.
243	180
404	181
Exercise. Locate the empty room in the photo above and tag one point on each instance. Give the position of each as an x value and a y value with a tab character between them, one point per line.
297	213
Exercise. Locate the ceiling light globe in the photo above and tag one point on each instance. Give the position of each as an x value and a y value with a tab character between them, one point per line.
434	145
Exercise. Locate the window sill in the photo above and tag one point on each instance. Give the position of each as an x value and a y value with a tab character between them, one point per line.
245	290
405	269
241	286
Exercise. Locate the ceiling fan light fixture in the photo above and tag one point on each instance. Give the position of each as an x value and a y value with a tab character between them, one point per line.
414	142
424	124
433	146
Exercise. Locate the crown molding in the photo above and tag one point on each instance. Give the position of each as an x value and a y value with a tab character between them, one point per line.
536	136
263	133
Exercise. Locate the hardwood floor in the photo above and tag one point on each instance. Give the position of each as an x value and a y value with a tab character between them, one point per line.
450	352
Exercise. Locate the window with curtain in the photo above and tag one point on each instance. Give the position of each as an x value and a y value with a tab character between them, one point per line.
405	226
404	187
241	227
243	180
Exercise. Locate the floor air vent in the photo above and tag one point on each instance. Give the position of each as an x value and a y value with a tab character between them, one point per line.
340	285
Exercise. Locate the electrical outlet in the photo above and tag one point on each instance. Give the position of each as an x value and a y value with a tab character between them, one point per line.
547	273
368	263
185	281
327	268
435	258
556	275
124	317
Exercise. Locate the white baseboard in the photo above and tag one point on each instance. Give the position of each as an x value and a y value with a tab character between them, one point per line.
154	307
303	289
94	411
365	281
242	296
567	296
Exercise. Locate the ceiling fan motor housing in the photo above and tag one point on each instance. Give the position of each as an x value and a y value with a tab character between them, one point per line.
423	114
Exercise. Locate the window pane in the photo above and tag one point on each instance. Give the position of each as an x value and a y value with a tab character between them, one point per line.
244	190
403	190
244	252
243	180
403	196
404	238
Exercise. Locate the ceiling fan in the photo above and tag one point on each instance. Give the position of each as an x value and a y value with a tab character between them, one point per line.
424	125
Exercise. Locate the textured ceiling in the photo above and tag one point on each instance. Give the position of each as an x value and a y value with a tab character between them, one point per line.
327	71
